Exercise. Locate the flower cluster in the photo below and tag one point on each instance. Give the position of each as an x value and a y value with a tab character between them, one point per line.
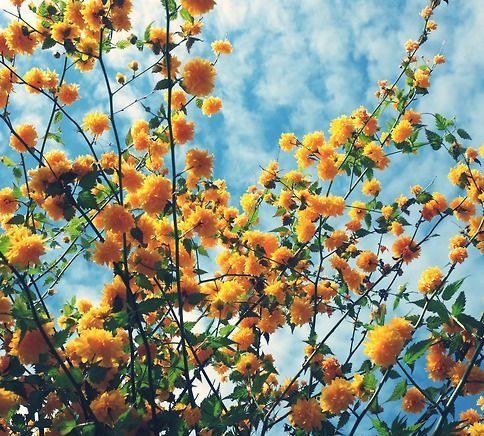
202	286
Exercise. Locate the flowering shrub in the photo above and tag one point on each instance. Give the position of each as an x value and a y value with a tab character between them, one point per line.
170	348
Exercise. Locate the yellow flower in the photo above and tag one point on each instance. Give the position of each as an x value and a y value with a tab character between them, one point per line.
198	77
357	211
476	429
7	401
402	131
198	164
331	369
248	364
337	396
155	192
178	99
25	248
335	240
376	154
108	251
36	80
26	136
413	401
61	31
68	93
341	130
301	311
371	187
422	78
458	255
470	416
430	280
20	38
8	202
438	363
5	306
108	407
288	141
97	123
183	130
29	345
386	342
367	261
405	249
439	59
244	337
96	345
402	326
412	116
158	36
117	219
222	47
192	415
474	384
332	205
198	7
306	414
211	105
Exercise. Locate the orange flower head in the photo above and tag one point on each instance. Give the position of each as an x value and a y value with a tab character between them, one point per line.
413	401
337	396
199	77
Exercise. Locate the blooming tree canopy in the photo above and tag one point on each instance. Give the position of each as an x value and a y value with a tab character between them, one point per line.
183	337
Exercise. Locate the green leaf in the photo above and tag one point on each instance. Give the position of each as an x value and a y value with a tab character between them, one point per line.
451	289
4	243
147	31
416	350
343	419
398	391
17	172
435	140
440	122
280	230
450	138
128	140
381	427
459	304
143	282
7	161
55	136
424	197
470	323
439	308
48	43
226	330
186	15
17	219
370	381
89	180
434	322
362	233
368	220
463	134
219	342
401	291
123	44
150	304
97	373
211	408
60	337
162	84
87	200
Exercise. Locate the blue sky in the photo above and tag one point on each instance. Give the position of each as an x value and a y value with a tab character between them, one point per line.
296	65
